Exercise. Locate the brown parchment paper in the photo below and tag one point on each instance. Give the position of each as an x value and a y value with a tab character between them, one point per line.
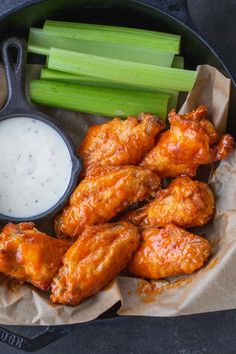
212	288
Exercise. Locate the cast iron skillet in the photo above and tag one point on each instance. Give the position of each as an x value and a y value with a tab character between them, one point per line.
17	105
133	13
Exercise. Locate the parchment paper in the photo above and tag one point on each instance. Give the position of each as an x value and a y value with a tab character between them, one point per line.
209	289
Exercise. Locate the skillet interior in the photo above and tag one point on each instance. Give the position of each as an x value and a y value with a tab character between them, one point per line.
128	13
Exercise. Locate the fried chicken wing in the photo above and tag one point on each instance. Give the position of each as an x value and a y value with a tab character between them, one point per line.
168	252
119	142
98	199
97	256
184	202
29	255
191	141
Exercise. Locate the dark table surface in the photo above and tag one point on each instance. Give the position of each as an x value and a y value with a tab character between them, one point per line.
212	333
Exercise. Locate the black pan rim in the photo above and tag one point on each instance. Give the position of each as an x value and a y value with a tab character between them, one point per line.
30	3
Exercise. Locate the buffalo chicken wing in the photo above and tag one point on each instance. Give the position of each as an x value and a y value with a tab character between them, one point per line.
97	256
184	202
119	142
100	198
191	141
168	252
29	255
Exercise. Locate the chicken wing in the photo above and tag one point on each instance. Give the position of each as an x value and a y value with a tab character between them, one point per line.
98	199
119	142
184	202
190	142
29	255
97	256
168	252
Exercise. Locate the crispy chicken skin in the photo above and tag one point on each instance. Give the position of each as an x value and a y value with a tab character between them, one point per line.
97	256
168	252
29	255
184	202
100	198
119	142
190	142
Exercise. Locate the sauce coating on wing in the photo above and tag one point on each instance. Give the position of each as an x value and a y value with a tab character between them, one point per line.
168	252
97	256
184	202
191	141
98	199
29	255
119	142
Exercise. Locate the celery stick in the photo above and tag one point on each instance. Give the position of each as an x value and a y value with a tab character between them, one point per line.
49	74
135	74
40	43
47	58
31	48
178	63
55	75
114	34
97	100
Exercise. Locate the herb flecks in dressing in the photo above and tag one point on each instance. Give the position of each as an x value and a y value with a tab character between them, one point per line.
35	167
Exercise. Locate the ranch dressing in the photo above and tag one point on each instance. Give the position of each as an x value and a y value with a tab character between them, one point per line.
35	167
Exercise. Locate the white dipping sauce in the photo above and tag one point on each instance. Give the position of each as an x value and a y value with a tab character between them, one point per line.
35	167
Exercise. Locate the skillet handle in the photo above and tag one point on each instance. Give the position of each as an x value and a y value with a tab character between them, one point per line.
15	75
46	336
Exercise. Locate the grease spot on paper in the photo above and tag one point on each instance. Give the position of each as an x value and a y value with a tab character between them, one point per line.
148	290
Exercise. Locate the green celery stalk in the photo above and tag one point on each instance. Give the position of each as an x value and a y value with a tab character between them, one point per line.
114	34
135	74
40	43
32	48
97	100
178	63
55	75
49	74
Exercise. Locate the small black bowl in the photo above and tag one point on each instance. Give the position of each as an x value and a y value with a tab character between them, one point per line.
17	105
